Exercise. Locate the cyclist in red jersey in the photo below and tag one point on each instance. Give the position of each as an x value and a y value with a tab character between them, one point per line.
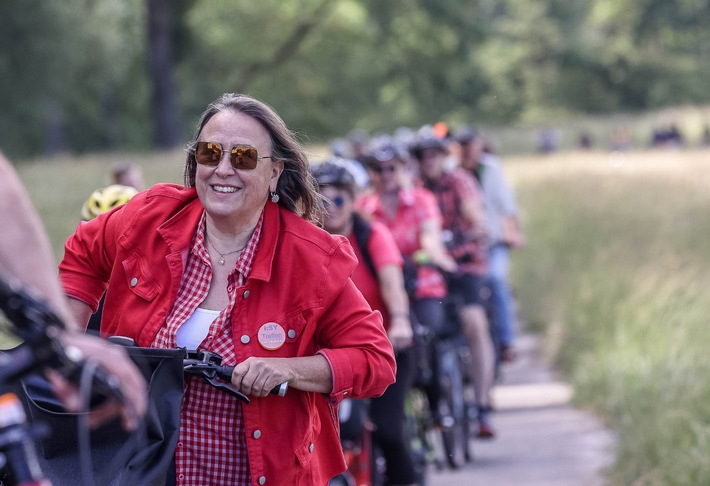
379	278
412	215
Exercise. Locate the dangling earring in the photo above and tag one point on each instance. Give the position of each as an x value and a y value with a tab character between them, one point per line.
274	197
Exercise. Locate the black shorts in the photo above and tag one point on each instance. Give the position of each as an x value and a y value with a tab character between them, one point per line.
468	288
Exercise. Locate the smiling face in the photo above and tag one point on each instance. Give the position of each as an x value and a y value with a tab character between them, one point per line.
230	196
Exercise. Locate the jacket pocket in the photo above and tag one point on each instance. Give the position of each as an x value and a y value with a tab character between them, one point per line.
138	278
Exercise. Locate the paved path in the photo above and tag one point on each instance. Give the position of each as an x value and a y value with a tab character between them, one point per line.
542	440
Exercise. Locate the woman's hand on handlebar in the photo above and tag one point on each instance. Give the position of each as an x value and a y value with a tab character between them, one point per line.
257	376
115	362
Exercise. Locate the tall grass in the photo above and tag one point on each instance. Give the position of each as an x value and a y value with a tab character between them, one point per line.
616	275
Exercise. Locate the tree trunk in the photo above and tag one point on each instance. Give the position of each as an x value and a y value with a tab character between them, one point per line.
166	120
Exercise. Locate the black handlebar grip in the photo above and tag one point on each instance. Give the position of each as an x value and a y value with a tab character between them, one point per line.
225	373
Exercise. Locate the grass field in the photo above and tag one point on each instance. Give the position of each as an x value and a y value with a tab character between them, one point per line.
615	276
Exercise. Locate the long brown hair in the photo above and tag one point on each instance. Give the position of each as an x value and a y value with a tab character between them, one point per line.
296	188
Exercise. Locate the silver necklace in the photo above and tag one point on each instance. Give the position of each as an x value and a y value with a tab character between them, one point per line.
222	255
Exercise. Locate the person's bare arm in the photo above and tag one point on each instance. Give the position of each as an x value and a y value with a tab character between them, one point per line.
395	298
513	235
80	312
258	376
472	211
26	256
433	244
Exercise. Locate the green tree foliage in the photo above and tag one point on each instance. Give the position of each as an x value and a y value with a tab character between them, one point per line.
74	75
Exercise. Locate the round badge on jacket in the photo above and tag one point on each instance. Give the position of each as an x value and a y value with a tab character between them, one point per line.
271	336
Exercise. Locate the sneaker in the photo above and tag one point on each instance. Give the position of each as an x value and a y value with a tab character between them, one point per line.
485	429
507	353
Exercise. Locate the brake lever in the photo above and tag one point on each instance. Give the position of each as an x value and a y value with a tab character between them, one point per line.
209	374
228	388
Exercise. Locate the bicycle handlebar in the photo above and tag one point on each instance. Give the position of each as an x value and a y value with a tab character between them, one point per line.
208	365
39	327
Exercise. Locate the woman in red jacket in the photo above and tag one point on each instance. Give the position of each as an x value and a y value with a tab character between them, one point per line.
232	263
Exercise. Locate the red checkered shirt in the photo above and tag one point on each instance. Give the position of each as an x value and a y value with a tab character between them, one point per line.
212	446
464	241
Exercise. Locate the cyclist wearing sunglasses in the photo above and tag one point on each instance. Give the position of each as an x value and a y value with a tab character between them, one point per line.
379	278
232	263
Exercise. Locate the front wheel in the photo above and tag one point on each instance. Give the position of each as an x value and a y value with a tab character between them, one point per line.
453	409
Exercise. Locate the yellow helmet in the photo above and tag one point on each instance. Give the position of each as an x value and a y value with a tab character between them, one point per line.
103	200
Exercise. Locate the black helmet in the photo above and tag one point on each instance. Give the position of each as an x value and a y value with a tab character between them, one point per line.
465	134
383	149
429	142
333	172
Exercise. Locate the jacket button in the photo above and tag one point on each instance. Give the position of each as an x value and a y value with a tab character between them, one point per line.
134	281
311	447
262	480
257	434
246	294
245	339
291	333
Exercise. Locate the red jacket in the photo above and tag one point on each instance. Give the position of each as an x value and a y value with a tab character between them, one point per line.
300	278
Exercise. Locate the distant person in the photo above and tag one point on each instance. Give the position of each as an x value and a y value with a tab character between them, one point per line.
412	215
99	202
461	204
668	136
548	141
585	141
504	232
128	174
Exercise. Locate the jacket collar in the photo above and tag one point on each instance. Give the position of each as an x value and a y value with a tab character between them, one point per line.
179	230
266	251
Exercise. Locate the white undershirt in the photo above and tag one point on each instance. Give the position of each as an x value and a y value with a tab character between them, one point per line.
194	330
